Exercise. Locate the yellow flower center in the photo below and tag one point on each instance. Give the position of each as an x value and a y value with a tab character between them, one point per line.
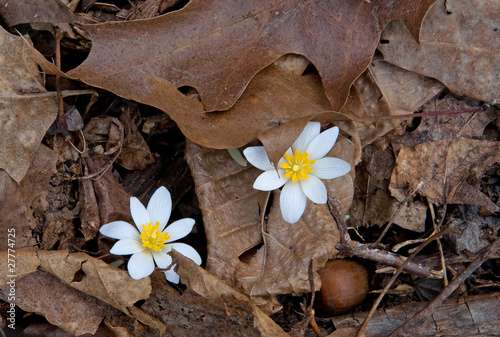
153	238
297	166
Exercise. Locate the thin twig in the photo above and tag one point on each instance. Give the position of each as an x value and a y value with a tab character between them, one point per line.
440	246
263	230
362	329
98	174
351	247
419	186
484	255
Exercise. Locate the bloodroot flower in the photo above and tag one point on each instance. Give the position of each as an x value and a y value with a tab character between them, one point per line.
300	170
149	242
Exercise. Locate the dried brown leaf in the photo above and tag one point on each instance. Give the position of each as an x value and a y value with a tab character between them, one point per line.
27	11
411	13
190	47
458	46
135	154
218	316
373	204
26	109
386	90
268	29
26	262
89	212
112	199
443	166
212	288
63	306
109	284
19	202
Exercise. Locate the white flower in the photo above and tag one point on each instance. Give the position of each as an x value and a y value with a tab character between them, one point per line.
300	170
151	241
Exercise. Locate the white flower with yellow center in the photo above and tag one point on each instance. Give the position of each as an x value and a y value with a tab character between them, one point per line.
300	170
150	241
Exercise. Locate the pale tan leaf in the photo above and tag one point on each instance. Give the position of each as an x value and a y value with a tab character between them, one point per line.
109	284
26	109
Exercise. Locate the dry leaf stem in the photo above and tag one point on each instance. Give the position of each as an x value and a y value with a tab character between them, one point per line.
484	255
429	114
309	313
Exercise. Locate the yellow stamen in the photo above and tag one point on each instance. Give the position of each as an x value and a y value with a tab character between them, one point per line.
152	238
297	166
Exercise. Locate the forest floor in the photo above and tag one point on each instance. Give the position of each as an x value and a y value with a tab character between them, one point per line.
104	101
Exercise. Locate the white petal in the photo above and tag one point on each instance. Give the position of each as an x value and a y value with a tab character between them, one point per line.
127	247
257	156
330	168
160	206
311	130
292	202
141	265
322	143
187	251
139	213
119	230
179	229
172	276
314	189
162	260
270	180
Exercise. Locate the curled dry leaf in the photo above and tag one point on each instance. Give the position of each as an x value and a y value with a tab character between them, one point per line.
458	46
63	306
443	167
262	265
135	154
340	39
109	135
104	135
96	278
212	288
184	47
26	109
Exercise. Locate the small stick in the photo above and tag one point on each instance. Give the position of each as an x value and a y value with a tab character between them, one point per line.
351	247
362	329
299	328
457	281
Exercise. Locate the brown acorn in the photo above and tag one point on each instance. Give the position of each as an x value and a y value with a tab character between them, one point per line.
344	286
